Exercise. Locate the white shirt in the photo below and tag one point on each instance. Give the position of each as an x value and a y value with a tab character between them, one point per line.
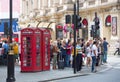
94	47
88	49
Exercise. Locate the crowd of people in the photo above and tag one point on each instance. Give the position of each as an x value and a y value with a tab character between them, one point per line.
91	53
4	51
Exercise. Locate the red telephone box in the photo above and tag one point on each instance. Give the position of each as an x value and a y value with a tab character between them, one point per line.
45	49
31	57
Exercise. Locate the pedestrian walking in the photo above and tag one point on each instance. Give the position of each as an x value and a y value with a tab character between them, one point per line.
59	46
16	53
83	50
64	52
79	56
5	53
88	54
105	51
55	53
101	51
98	55
51	50
69	49
94	56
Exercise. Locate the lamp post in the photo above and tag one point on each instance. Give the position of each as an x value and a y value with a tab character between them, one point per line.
75	25
78	15
75	22
10	62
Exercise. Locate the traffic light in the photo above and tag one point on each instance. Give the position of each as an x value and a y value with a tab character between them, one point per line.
79	24
73	19
67	19
78	21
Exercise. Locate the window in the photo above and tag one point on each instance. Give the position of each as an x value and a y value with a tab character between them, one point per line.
103	1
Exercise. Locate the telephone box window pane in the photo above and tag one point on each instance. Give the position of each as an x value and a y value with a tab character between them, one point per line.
38	51
46	51
26	51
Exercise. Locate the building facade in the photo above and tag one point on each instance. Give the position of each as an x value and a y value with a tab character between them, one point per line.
51	14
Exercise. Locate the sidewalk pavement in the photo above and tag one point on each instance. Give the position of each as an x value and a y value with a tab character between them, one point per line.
50	75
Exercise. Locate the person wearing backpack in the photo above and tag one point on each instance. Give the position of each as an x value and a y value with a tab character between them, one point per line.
105	50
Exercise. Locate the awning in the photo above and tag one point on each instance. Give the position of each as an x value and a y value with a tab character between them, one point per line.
85	22
108	20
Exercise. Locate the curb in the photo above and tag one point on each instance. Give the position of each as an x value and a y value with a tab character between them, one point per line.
64	77
77	75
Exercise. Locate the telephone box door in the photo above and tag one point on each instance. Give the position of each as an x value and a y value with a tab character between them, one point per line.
46	51
26	53
38	46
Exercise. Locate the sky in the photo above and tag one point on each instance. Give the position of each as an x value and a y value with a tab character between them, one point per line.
4	8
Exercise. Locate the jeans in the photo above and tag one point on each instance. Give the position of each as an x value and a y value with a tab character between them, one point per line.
93	63
68	60
79	62
105	56
101	58
64	59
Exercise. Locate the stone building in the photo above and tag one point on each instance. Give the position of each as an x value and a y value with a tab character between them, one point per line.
51	14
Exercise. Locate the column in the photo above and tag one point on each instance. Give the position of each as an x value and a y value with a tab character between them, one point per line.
23	7
29	6
39	4
50	3
35	4
62	2
45	3
55	2
21	3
